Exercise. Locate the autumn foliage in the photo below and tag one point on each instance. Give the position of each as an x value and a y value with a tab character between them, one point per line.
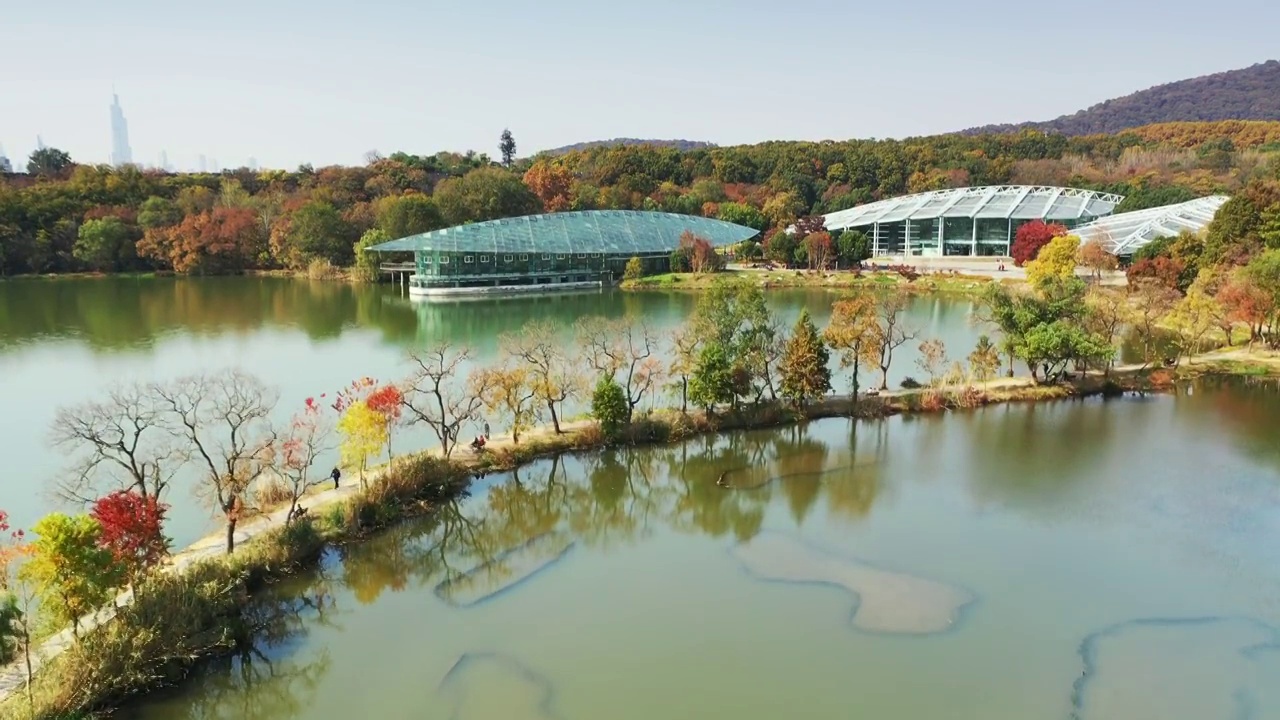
551	182
132	530
695	253
1031	237
216	241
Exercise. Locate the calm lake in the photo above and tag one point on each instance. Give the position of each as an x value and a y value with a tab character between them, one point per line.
1083	559
69	341
1079	559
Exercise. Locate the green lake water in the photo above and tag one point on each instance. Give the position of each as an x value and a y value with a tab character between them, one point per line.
63	342
1077	559
1089	559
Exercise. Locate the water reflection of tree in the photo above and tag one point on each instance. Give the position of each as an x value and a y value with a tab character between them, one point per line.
1035	455
268	679
614	498
1248	407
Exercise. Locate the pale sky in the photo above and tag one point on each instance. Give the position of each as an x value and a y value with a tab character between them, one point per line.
324	82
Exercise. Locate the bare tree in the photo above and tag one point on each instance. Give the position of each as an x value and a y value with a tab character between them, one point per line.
310	434
893	332
435	394
685	345
121	440
553	377
626	348
225	421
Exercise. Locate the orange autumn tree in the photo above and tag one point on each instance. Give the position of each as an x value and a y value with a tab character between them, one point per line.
551	182
220	240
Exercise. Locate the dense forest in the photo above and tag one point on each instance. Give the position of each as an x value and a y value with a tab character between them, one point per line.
1251	93
64	217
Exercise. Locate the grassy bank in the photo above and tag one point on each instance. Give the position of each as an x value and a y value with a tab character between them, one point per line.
780	279
198	609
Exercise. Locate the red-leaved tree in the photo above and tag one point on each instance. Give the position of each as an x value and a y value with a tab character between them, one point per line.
388	402
132	530
1163	270
1031	237
702	257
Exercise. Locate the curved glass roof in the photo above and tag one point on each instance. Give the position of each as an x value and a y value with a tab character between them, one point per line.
622	232
1017	202
1124	233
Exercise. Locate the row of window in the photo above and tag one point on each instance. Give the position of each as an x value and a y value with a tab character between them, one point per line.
444	259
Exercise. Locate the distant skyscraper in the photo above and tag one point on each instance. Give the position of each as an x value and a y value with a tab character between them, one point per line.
164	161
121	154
253	164
213	165
39	143
5	165
202	165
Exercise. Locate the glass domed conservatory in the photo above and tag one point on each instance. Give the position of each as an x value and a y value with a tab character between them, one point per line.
556	251
968	221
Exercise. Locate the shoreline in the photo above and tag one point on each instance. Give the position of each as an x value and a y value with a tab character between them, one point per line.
415	485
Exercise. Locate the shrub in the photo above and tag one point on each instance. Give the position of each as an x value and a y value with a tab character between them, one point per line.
10	616
321	269
272	493
910	383
609	406
634	269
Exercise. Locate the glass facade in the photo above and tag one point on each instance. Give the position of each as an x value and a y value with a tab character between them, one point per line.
559	248
967	221
475	270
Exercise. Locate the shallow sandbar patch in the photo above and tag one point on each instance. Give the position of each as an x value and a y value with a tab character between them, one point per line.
888	602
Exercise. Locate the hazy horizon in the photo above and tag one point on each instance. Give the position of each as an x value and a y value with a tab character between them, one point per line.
325	86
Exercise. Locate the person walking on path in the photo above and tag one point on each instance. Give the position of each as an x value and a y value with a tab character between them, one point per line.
336	475
486	429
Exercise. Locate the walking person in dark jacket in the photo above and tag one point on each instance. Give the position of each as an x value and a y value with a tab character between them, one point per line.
336	475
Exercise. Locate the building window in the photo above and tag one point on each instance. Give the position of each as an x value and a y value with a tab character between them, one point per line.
525	258
508	258
546	257
596	255
582	255
426	260
468	259
484	258
444	259
560	256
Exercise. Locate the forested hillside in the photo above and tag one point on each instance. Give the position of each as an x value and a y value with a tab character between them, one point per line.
1251	93
677	144
66	217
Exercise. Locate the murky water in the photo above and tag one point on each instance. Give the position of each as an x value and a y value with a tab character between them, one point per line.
1087	559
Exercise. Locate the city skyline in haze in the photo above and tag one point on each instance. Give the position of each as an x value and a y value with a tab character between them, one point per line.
265	80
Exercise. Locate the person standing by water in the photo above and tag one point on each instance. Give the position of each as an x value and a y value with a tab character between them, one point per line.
336	475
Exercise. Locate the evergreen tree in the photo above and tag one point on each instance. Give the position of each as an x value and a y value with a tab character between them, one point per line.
804	370
507	145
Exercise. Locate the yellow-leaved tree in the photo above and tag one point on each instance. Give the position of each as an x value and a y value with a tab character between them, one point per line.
1056	261
509	392
364	434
